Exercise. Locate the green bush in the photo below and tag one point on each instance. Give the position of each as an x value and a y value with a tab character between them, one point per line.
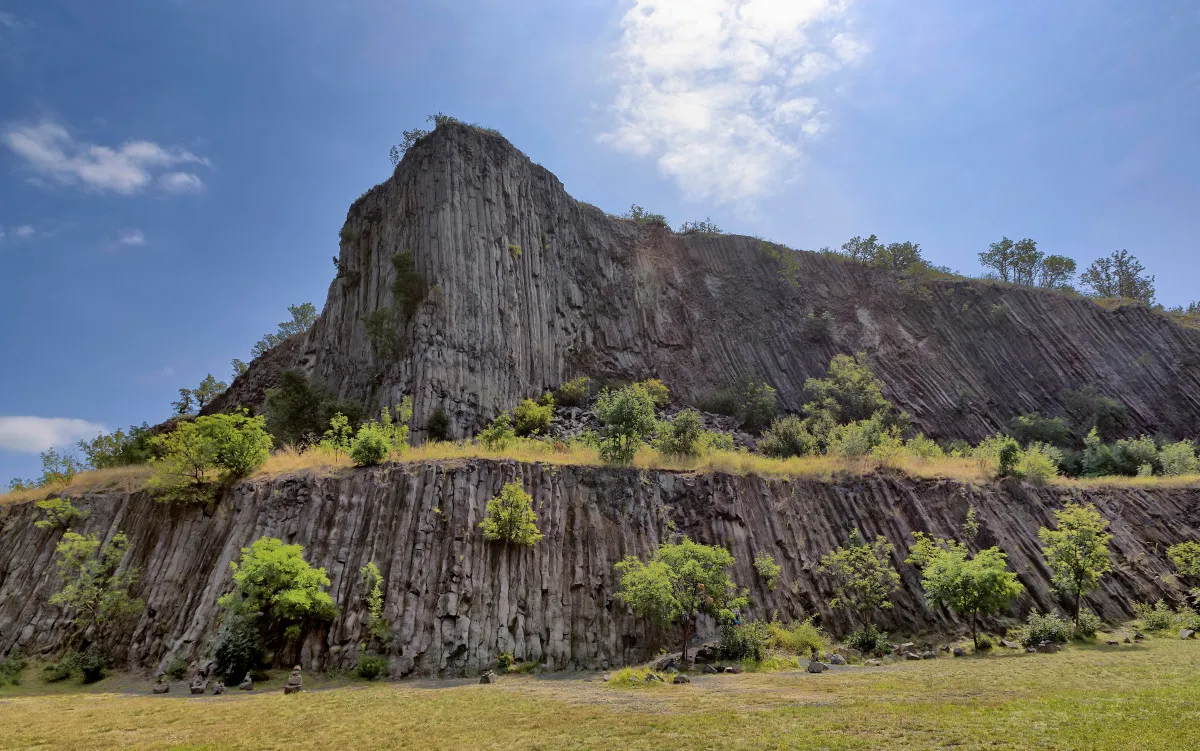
210	451
641	216
657	390
94	584
575	392
746	641
533	418
61	670
801	638
751	401
766	567
439	425
119	449
499	435
858	439
370	667
1032	428
504	661
59	513
984	643
683	435
869	640
1093	410
1179	459
1089	624
920	447
238	649
510	517
998	456
788	436
92	665
1049	628
1037	464
370	446
278	589
177	669
408	288
11	670
1158	617
627	417
298	411
1130	455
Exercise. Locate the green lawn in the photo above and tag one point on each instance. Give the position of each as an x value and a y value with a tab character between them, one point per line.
1095	697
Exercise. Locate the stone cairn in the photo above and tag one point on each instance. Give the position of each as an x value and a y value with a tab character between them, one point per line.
246	684
295	683
200	683
160	684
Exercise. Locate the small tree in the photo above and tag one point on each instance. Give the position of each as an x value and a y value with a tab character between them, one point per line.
627	416
339	436
499	435
1119	275
533	418
230	446
183	406
372	582
969	585
863	576
680	582
683	435
510	518
60	512
304	316
768	569
94	584
1077	551
276	586
210	388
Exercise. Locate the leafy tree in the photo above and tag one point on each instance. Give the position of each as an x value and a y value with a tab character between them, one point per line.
850	393
1179	459
410	137
1077	550
372	581
58	468
1027	429
1119	275
60	513
657	390
210	388
998	456
119	449
627	417
641	216
1092	409
533	418
394	155
575	392
1185	557
748	399
274	585
1056	272
230	445
94	584
768	569
680	582
788	436
892	256
1022	263
683	435
969	585
298	411
510	518
304	316
499	435
863	576
339	436
184	405
238	650
239	367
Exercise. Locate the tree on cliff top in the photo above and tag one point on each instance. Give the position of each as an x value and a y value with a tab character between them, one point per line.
304	316
1120	274
680	582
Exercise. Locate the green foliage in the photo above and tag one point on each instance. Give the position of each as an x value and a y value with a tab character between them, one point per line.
767	569
1130	455
1038	463
801	637
273	580
372	582
504	661
627	419
339	436
868	640
383	329
1031	428
786	258
510	518
1179	459
683	435
11	670
1098	459
819	327
1087	625
119	449
230	445
788	436
533	418
57	468
184	404
376	440
238	649
408	289
972	586
1023	264
1040	628
514	250
94	585
893	256
61	670
1093	410
298	411
849	393
92	665
862	575
304	316
680	582
744	641
499	435
1077	550
657	390
1158	618
177	669
439	425
705	226
751	401
865	438
1185	557
575	392
641	216
921	447
1119	275
370	667
59	513
998	456
971	524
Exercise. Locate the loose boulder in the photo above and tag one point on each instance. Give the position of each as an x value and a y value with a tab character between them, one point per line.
219	688
160	684
873	663
711	670
960	652
1047	647
680	678
490	677
817	667
199	684
837	660
911	656
1186	633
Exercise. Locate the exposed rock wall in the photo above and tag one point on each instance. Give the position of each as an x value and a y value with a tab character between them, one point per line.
455	601
595	295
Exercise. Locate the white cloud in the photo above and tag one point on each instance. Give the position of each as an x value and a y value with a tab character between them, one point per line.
181	182
131	237
8	19
25	231
35	434
51	151
719	91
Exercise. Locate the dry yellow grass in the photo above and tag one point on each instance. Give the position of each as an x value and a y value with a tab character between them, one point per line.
125	479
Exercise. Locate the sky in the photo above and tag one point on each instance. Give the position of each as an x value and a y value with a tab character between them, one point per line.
174	173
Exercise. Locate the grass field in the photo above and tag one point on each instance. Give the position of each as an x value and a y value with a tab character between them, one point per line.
1141	697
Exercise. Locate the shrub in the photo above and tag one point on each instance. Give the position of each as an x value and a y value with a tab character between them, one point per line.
439	425
408	288
868	640
788	436
1179	459
92	664
703	227
633	678
1130	455
1185	557
370	446
229	445
372	582
1098	459
59	513
627	417
800	638
119	449
273	582
370	667
641	216
657	390
339	436
683	435
920	447
499	435
751	401
61	670
510	518
850	392
177	669
859	439
1158	617
238	650
998	456
862	574
768	569
11	670
298	411
1049	628
504	661
1037	464
1035	428
383	327
1089	623
575	392
746	641
1093	410
533	418
983	643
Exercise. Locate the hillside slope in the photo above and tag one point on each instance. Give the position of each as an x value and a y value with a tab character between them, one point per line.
454	601
524	287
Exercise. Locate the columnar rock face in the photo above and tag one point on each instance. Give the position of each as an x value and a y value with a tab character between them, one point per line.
454	600
526	287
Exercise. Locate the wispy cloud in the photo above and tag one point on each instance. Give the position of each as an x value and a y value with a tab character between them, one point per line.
131	236
50	151
721	92
8	20
25	231
34	434
181	182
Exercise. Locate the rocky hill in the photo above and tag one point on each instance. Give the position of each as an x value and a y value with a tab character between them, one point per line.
454	600
518	287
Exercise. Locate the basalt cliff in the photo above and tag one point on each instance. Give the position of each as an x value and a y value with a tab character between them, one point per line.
454	601
522	287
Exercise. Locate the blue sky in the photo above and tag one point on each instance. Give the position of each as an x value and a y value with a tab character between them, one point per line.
173	174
